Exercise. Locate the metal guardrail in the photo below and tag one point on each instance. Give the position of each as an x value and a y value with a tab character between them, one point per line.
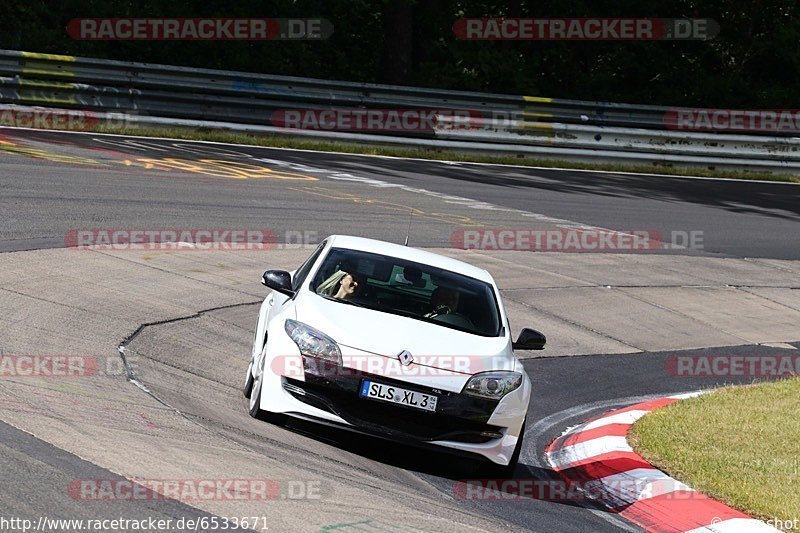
149	94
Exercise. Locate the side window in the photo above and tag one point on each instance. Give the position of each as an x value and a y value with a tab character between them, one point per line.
302	272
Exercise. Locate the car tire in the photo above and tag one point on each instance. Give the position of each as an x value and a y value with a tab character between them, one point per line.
248	381
255	390
495	471
255	398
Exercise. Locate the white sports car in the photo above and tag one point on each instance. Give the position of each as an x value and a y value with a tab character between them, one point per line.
393	342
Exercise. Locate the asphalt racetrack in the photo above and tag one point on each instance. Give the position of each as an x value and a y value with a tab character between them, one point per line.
123	180
185	317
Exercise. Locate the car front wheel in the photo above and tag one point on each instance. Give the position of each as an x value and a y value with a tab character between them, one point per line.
248	381
495	471
255	397
255	389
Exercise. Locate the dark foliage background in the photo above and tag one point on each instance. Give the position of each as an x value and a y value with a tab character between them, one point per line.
754	62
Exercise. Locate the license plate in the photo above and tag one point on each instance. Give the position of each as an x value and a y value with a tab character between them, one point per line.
392	394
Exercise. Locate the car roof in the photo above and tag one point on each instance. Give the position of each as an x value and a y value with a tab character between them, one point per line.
409	254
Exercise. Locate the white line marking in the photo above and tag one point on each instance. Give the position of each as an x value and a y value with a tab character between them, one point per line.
628	417
441	161
735	525
638	484
687	395
588	449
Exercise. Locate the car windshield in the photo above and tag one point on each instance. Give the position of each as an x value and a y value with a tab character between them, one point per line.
405	288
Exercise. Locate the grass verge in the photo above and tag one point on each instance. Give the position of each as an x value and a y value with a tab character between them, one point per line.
301	143
740	445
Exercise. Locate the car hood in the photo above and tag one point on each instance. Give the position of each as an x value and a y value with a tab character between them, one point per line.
387	335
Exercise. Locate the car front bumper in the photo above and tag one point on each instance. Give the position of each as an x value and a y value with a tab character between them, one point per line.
462	424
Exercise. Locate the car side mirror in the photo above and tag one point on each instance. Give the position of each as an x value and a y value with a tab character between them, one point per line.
529	339
278	280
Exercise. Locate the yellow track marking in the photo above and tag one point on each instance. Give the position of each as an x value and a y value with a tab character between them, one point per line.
221	168
49	156
347	197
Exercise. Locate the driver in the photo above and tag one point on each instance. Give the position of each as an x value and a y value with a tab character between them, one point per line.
443	301
348	286
341	284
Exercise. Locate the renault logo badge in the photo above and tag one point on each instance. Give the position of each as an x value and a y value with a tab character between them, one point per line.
405	358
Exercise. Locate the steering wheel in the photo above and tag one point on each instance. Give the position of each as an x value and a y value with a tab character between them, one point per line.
454	319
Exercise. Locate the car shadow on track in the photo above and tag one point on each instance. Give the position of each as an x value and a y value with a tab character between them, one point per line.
461	473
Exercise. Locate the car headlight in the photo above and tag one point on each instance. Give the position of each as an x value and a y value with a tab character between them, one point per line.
493	385
313	342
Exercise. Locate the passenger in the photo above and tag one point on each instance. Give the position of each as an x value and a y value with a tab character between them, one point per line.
443	301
